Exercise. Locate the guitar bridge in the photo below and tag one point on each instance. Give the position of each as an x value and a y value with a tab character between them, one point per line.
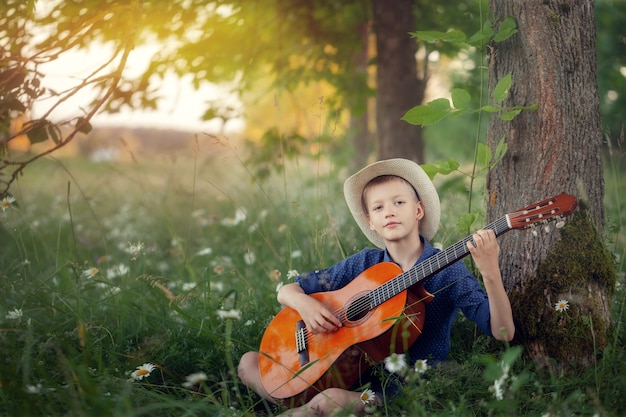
301	344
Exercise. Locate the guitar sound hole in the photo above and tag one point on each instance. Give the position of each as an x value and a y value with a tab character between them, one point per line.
358	309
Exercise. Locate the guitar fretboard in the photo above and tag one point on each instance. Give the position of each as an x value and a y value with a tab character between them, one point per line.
431	266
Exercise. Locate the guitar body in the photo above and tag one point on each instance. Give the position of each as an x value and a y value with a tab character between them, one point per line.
337	359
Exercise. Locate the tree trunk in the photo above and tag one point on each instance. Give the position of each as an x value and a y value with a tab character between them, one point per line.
359	121
557	148
398	88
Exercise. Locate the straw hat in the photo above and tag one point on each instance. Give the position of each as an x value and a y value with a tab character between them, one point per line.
406	169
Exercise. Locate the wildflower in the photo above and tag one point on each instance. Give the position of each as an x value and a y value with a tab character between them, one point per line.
395	363
6	202
296	254
498	384
142	371
368	397
279	286
282	228
117	271
89	273
292	273
240	215
14	314
205	251
249	258
135	249
229	314
33	389
275	275
194	379
216	286
421	366
561	306
218	269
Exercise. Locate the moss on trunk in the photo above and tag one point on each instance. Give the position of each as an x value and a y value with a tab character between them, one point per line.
580	270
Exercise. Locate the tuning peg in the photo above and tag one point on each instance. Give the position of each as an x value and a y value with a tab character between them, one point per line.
534	231
560	222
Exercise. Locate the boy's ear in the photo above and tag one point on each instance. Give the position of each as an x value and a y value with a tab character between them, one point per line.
419	210
370	223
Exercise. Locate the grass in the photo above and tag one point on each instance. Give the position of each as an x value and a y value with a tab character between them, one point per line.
188	254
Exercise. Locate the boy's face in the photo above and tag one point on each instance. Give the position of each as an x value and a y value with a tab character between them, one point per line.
393	210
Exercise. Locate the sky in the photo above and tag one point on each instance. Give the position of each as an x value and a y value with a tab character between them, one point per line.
180	108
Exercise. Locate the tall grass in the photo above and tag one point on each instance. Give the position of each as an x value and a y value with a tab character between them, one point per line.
107	266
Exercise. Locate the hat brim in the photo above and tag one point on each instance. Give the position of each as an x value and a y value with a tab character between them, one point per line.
403	168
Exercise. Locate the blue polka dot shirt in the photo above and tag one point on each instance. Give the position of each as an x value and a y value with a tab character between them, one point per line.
454	288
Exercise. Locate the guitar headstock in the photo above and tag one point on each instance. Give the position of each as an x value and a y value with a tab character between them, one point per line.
551	209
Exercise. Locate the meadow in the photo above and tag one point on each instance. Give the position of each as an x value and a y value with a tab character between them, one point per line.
132	288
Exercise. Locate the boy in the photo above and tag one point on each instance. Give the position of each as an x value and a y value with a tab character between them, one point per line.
397	207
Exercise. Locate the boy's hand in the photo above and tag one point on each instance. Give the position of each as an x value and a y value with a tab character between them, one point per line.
317	318
485	252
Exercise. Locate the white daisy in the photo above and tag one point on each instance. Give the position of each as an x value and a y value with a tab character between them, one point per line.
194	379
229	314
561	306
249	258
89	273
395	363
15	314
421	366
6	202
142	371
368	397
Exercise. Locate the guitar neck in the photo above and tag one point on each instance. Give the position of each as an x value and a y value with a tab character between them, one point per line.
432	265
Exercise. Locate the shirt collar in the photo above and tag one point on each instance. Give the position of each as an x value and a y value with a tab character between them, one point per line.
427	252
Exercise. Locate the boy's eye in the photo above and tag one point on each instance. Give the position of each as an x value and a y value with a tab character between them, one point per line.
377	208
399	202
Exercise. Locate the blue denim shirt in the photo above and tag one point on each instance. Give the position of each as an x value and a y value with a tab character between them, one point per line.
454	288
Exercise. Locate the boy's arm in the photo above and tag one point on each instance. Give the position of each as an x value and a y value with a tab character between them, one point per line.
485	254
316	316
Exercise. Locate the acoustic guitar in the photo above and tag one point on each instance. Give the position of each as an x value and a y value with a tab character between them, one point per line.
382	311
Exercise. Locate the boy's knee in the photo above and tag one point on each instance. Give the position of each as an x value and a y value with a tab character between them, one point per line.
248	361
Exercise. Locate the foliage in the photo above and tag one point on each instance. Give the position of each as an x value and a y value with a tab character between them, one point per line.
231	42
610	18
188	254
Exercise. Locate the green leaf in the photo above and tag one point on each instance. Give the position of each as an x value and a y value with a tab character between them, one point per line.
465	222
511	355
508	28
436	36
446	167
483	155
37	130
483	36
510	115
430	170
490	109
428	114
83	125
461	99
501	91
500	150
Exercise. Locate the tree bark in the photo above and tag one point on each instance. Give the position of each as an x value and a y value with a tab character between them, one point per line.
398	88
557	148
